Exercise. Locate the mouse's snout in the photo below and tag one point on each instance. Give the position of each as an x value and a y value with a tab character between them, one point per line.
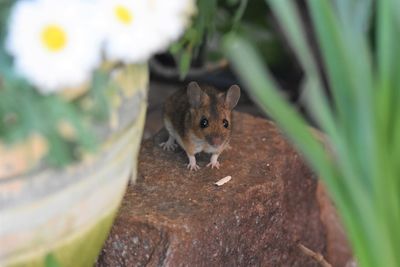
214	140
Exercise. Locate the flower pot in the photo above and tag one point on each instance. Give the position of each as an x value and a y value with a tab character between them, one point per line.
61	217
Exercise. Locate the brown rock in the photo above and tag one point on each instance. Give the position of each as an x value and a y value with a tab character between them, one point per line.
174	217
338	250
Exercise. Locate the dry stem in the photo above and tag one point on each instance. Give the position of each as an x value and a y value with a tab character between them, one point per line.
316	256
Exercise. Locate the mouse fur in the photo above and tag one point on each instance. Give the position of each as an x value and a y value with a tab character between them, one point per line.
200	119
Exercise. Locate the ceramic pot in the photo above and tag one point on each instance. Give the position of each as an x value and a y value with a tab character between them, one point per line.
61	217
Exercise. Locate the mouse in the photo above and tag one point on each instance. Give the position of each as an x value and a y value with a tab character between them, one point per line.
199	119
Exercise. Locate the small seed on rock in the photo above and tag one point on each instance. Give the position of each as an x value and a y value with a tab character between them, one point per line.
223	180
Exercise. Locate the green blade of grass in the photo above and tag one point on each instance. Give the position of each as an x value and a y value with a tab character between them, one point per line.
341	41
331	45
351	200
355	13
291	23
289	19
351	83
356	138
384	44
238	50
264	92
388	97
239	14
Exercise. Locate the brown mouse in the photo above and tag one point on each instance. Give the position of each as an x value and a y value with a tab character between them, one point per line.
200	119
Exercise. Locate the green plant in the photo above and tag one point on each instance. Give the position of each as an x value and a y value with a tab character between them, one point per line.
361	123
24	111
213	20
58	66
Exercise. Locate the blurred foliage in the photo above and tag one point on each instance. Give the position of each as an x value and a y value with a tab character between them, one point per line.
358	157
214	19
24	111
51	261
5	6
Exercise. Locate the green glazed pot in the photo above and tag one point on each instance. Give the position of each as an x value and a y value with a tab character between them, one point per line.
62	217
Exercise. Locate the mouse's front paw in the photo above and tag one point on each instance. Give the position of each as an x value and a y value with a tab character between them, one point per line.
193	166
213	164
168	146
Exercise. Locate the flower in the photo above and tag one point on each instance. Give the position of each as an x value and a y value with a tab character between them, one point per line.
54	44
127	34
137	29
170	17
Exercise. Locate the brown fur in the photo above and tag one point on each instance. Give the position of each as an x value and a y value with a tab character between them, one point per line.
186	120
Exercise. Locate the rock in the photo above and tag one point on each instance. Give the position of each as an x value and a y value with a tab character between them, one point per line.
338	250
174	217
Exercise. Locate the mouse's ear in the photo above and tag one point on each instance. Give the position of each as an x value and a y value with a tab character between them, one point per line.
195	95
232	97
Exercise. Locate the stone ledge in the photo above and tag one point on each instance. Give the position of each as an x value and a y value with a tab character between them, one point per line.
173	217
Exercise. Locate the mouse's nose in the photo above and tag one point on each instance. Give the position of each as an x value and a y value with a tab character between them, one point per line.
216	141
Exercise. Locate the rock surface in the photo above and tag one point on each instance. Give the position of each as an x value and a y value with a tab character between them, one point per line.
174	217
338	251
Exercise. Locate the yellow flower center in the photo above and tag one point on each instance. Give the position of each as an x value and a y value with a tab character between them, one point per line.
54	38
123	14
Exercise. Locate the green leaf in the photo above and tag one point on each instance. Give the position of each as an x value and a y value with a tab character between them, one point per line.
349	194
363	126
289	19
264	93
184	63
355	13
175	47
239	14
51	261
351	83
24	111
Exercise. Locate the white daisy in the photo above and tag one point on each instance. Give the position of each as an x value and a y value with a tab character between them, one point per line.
127	34
171	17
53	43
137	29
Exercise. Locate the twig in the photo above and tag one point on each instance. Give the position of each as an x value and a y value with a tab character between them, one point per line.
316	256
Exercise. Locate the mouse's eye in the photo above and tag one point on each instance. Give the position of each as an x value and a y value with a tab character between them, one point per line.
203	123
226	123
